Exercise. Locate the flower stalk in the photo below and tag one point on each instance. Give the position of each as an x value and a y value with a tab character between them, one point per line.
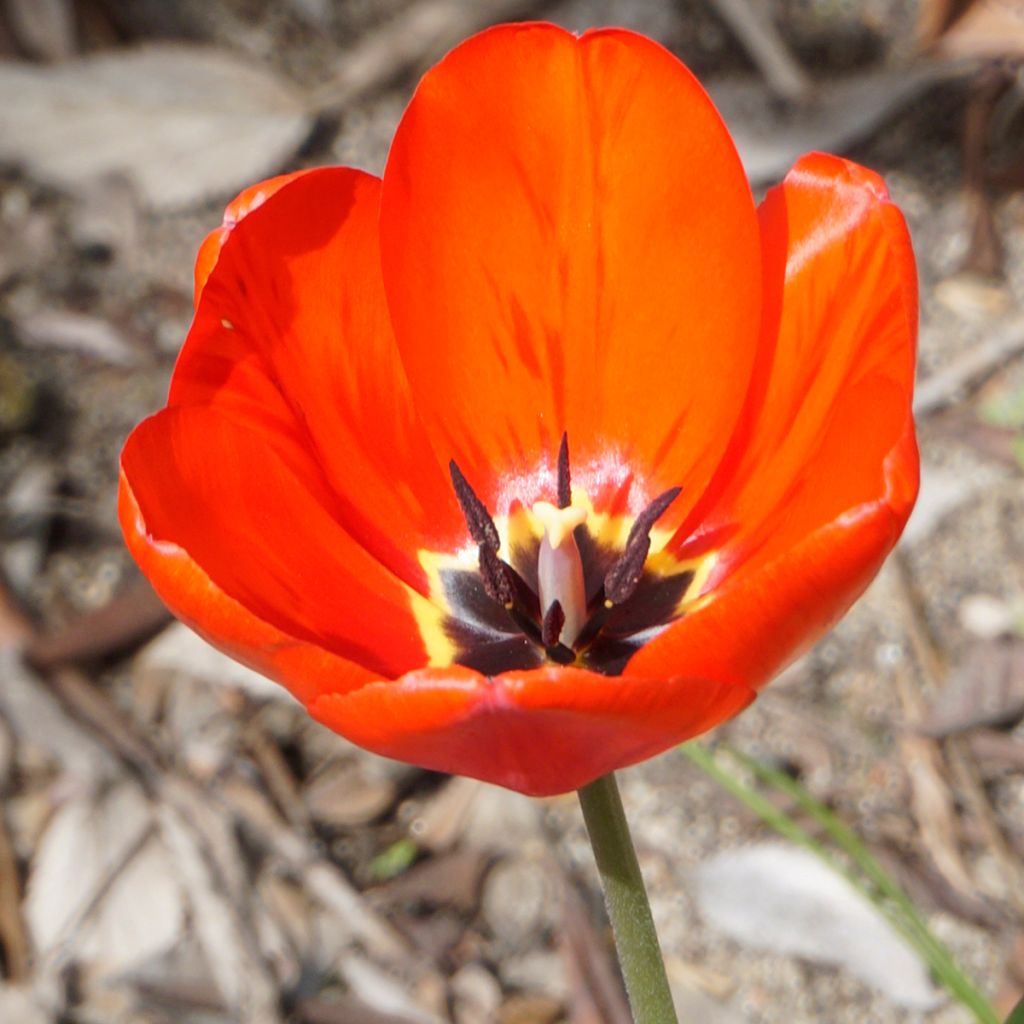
629	910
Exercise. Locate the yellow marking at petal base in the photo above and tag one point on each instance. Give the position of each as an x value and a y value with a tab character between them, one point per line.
515	531
430	612
701	569
558	523
606	529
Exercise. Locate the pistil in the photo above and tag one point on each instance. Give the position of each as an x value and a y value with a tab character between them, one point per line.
560	568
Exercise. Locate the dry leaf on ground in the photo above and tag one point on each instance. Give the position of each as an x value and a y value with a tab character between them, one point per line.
102	889
843	111
182	123
784	899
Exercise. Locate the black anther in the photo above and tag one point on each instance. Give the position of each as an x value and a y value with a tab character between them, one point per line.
624	576
560	654
478	519
564	480
494	574
551	628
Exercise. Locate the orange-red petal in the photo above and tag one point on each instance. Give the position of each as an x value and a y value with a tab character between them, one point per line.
764	616
241	206
295	305
832	391
541	732
569	243
306	669
824	473
251	508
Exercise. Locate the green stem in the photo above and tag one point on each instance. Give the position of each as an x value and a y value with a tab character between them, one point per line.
628	909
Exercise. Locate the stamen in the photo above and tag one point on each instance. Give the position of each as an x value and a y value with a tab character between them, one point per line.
551	629
624	576
559	567
494	574
564	480
478	519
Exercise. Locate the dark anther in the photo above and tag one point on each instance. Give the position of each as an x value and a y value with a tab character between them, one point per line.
564	481
478	519
624	575
554	620
494	574
560	654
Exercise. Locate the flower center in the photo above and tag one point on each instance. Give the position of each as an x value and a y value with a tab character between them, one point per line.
563	590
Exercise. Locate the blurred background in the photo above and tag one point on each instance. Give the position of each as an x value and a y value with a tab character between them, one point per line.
178	842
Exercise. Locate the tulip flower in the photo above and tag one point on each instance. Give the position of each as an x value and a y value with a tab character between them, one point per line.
546	450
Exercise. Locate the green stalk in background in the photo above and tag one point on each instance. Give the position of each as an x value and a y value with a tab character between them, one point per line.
869	878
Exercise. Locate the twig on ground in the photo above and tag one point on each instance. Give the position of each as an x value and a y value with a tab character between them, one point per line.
421	33
93	708
951	383
594	981
321	878
13	937
276	773
932	669
61	951
344	1010
931	798
242	976
757	33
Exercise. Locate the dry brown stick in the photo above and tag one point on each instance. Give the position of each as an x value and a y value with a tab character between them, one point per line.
985	252
968	779
957	754
276	773
219	915
998	751
95	709
344	1009
420	34
172	793
949	385
76	692
247	983
931	798
594	980
758	35
14	630
13	935
185	994
15	627
61	948
325	883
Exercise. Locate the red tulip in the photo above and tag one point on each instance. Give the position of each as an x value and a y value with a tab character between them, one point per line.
345	489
